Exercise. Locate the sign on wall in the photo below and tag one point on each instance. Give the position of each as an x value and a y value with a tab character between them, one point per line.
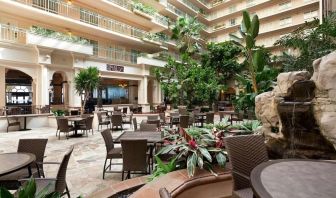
118	68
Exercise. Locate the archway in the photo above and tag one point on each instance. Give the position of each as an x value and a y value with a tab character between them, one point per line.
19	92
57	89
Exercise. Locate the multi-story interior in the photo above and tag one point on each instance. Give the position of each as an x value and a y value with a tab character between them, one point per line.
44	43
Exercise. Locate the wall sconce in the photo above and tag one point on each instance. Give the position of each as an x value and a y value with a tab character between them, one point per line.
69	2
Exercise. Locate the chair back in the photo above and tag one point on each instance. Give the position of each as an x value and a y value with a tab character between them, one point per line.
61	174
100	118
116	120
182	110
134	155
245	153
115	108
152	117
135	124
108	139
162	116
34	146
164	193
156	122
124	110
210	117
148	127
89	122
116	112
184	121
85	115
62	124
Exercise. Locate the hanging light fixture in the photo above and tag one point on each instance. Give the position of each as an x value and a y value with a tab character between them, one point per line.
69	2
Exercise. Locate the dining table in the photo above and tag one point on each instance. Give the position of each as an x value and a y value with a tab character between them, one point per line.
76	121
151	136
24	116
297	178
11	162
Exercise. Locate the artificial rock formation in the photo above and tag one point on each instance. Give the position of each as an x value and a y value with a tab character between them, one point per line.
298	116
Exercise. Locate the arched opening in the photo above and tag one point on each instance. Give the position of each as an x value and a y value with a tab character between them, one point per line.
56	90
19	92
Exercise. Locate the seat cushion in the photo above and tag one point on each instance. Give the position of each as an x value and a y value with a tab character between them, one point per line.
114	153
243	193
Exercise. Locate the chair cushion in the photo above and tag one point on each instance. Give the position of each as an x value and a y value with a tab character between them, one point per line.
243	193
115	153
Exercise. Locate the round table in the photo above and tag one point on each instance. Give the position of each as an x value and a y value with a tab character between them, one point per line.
294	178
11	162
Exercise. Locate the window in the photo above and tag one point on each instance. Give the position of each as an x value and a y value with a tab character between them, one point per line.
286	21
134	56
95	46
285	5
18	94
310	15
49	6
232	22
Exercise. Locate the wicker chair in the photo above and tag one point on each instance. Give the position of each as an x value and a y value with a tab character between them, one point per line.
12	122
88	125
116	120
210	118
134	154
101	122
152	117
111	152
124	110
164	193
162	118
239	117
245	153
57	184
148	127
184	121
174	119
157	122
128	120
135	124
34	146
63	127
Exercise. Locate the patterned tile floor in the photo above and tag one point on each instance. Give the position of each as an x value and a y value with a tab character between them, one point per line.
84	175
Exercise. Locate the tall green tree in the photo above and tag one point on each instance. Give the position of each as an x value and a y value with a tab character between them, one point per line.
310	42
186	31
85	82
223	58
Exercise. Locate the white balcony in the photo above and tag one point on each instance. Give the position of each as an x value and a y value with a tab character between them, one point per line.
54	43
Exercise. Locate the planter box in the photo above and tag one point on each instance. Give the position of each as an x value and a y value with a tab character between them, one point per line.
58	44
138	12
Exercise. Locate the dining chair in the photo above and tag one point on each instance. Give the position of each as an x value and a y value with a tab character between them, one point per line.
63	127
102	122
245	153
57	184
162	116
135	124
128	119
174	119
12	122
124	110
184	121
116	120
209	118
134	154
156	122
148	127
33	146
88	122
152	117
111	152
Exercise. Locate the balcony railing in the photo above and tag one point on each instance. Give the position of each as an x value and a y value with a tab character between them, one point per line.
12	34
116	55
122	3
81	14
190	5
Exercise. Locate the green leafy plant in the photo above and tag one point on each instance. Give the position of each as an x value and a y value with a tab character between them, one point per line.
85	82
144	8
198	147
29	191
162	168
248	126
58	112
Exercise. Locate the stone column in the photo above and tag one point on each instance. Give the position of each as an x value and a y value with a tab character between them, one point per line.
74	98
142	94
2	87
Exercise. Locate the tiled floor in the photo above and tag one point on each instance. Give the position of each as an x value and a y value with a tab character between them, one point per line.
84	174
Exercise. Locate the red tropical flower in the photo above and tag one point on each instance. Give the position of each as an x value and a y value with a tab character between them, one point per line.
193	144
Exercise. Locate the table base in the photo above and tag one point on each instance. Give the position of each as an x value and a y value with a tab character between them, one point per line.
76	135
24	129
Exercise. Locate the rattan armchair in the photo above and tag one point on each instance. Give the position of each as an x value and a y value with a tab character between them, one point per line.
102	122
57	184
134	154
12	122
34	146
128	119
184	121
209	118
111	152
116	120
87	125
63	127
135	124
245	153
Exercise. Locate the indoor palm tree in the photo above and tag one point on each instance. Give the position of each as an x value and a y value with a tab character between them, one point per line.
86	81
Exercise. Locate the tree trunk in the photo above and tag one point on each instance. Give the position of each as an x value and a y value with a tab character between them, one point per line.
252	72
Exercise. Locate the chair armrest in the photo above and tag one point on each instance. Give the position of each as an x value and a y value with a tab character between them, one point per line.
49	163
241	175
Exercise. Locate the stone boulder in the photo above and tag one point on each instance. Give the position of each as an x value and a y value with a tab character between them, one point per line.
286	80
325	101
